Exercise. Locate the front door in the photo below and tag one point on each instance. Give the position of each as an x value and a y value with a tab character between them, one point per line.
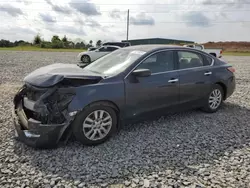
161	89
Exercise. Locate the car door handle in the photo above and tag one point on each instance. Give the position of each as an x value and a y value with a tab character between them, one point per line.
173	80
207	73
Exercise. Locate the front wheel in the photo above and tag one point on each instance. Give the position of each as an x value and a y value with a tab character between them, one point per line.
85	59
214	99
95	124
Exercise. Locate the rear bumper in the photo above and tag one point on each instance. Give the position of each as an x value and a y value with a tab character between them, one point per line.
231	86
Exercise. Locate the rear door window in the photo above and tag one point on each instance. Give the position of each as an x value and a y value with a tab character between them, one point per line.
189	60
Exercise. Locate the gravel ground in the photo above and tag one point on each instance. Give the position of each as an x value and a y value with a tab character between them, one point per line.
189	149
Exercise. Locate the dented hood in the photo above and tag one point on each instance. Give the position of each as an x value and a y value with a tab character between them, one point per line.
52	74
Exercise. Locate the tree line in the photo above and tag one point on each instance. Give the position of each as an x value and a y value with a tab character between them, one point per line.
55	42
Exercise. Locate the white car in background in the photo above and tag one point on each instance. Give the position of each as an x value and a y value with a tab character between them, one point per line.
90	56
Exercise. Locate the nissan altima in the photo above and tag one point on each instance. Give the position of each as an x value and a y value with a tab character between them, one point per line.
61	100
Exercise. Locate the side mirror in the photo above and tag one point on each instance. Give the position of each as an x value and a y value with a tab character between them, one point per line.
141	73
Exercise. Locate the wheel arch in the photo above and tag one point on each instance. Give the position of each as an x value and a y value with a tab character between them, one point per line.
224	87
111	104
74	127
106	102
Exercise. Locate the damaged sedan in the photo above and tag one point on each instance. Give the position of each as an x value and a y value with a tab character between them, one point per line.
61	100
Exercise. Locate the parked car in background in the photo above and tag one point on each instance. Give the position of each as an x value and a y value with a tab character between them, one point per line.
216	52
63	99
120	44
90	56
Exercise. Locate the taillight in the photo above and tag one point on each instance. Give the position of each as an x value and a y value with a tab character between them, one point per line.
231	69
221	52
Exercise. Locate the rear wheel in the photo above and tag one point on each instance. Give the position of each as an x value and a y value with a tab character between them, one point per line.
214	100
95	124
85	59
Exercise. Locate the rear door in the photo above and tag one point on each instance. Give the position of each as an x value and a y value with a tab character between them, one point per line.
195	76
159	90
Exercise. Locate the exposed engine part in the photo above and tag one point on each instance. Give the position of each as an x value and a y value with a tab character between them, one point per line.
50	104
56	104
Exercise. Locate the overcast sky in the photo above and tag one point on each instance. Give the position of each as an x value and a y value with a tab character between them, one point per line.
196	20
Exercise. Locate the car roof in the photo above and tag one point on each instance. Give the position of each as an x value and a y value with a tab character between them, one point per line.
111	46
151	47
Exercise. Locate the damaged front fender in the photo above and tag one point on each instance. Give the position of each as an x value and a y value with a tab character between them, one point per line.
89	94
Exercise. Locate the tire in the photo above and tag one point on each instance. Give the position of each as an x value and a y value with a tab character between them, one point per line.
85	59
82	126
216	90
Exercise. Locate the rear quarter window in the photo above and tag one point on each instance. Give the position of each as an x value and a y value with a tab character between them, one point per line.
208	61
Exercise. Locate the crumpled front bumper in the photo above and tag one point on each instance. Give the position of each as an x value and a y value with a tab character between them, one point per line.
38	135
32	132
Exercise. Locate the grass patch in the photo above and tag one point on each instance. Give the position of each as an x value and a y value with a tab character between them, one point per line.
35	48
236	54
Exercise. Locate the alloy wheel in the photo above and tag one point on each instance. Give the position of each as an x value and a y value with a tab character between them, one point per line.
215	99
97	125
85	59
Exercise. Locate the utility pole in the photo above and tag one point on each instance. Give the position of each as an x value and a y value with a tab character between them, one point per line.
127	24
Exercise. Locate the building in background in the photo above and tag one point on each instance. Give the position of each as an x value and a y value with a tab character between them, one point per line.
157	41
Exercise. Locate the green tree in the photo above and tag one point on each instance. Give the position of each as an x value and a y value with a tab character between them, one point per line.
80	45
98	43
46	44
6	43
37	39
65	42
91	43
57	44
65	39
55	38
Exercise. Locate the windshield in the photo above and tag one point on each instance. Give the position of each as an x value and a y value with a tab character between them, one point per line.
115	62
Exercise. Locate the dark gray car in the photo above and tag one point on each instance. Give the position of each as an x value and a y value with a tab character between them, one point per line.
59	100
